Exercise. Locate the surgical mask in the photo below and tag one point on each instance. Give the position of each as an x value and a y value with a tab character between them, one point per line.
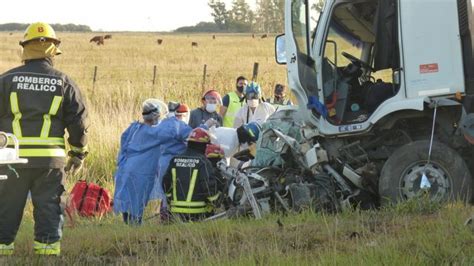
240	89
253	103
211	107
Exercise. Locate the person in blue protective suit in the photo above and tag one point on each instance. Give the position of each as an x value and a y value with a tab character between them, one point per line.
137	163
174	132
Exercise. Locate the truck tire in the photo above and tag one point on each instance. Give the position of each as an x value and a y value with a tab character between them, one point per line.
401	175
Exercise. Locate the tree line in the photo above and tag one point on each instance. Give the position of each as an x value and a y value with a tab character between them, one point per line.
56	27
268	16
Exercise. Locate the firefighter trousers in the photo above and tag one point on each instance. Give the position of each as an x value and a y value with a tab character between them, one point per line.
46	187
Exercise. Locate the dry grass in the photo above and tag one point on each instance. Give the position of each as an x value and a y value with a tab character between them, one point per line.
406	235
125	71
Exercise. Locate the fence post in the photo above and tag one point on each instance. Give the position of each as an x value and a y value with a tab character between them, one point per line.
255	71
94	79
154	75
204	74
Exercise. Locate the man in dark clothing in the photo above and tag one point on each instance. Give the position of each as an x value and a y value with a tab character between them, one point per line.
37	104
279	98
208	111
191	180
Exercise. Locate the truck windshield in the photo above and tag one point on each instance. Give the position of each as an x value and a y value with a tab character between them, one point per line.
305	17
346	42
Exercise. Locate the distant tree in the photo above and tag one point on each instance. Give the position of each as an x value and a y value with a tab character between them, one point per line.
270	16
220	14
200	27
241	17
318	6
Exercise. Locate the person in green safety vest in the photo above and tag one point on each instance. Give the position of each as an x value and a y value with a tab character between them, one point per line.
232	102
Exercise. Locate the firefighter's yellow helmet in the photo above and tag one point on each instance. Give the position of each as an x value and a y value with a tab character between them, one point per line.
39	31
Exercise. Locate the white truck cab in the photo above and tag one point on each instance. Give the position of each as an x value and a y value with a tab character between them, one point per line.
358	61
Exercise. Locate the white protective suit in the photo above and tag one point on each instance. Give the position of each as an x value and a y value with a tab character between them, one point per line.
261	114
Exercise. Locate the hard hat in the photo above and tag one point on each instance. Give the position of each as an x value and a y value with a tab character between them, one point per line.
214	151
199	135
212	94
253	129
39	31
253	88
182	109
173	106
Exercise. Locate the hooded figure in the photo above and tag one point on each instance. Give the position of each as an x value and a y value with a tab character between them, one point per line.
136	176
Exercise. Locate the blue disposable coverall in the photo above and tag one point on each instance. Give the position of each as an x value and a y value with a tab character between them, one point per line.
137	165
173	136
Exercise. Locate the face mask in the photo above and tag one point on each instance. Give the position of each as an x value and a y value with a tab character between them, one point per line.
211	107
240	89
253	103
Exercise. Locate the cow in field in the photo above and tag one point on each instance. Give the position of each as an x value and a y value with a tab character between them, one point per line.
264	36
194	44
159	41
108	36
213	37
99	40
253	35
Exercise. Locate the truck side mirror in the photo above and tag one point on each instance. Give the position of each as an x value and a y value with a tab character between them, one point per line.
280	49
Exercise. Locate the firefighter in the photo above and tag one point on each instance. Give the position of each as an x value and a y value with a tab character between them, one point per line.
191	180
37	103
232	102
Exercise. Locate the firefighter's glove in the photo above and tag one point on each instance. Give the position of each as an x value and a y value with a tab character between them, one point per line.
74	162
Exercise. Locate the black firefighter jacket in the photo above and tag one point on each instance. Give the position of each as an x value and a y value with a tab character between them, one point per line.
37	104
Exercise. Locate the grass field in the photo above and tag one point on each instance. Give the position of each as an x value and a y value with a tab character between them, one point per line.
410	234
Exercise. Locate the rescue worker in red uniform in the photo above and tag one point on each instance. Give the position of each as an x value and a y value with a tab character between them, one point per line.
192	181
37	104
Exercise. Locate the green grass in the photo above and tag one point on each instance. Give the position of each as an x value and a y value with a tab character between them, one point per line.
402	235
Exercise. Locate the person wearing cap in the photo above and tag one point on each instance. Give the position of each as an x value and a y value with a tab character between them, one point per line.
37	104
279	97
232	102
191	181
208	111
174	132
135	176
254	109
182	113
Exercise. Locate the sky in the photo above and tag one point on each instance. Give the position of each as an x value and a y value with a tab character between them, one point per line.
111	15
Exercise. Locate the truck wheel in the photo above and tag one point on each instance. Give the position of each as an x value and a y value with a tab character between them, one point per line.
447	173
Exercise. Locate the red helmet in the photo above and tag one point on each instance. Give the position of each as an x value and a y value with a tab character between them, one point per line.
199	135
214	151
212	94
182	108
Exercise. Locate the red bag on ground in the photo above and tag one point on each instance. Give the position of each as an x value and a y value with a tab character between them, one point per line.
89	200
